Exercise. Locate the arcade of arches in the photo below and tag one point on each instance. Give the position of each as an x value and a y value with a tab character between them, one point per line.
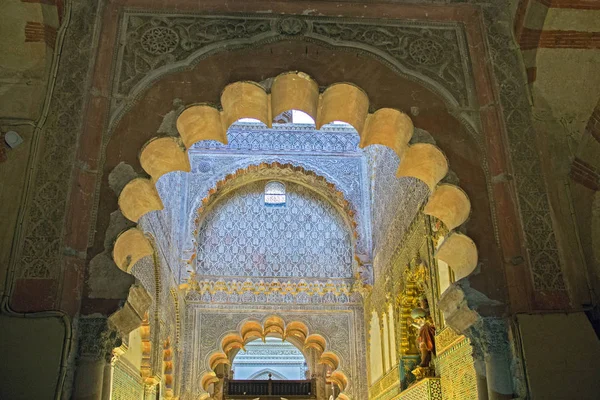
299	200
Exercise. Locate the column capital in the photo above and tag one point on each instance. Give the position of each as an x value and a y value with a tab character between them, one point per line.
489	336
149	389
96	339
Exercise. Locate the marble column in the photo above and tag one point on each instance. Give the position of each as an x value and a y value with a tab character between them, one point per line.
482	386
219	387
107	380
93	373
321	381
492	354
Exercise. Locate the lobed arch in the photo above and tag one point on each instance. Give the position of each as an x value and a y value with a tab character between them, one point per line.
296	90
146	365
168	368
144	268
296	332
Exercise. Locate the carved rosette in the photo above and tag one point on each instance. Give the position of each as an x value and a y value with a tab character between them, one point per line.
291	26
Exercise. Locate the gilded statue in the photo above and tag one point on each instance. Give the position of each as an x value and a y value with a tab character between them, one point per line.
426	335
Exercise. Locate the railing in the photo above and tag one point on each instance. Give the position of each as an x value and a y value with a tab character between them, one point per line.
240	389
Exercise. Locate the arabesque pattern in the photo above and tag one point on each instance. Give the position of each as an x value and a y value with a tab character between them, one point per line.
434	52
345	171
42	244
291	291
390	196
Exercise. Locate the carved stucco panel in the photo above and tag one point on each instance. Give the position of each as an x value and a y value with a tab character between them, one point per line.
242	237
532	193
432	53
41	255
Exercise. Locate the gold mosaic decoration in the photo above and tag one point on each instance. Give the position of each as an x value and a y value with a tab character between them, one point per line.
126	382
425	389
415	278
262	287
455	363
386	387
446	338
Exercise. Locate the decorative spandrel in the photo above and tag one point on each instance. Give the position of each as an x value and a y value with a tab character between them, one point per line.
240	236
158	41
432	52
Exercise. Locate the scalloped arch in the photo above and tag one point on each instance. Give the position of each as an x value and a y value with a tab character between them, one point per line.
130	247
339	102
296	332
146	365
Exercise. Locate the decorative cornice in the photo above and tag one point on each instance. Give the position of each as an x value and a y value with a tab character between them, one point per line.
386	386
302	291
302	139
445	339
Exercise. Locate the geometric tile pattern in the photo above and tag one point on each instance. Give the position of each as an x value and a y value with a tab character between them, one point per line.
241	236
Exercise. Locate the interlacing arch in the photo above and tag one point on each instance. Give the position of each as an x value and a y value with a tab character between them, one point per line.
295	332
297	91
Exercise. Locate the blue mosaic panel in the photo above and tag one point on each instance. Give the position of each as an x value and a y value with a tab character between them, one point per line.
242	237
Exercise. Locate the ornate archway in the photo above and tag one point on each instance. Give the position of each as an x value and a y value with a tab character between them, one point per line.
296	90
313	345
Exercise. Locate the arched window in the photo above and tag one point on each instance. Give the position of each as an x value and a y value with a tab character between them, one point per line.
275	194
